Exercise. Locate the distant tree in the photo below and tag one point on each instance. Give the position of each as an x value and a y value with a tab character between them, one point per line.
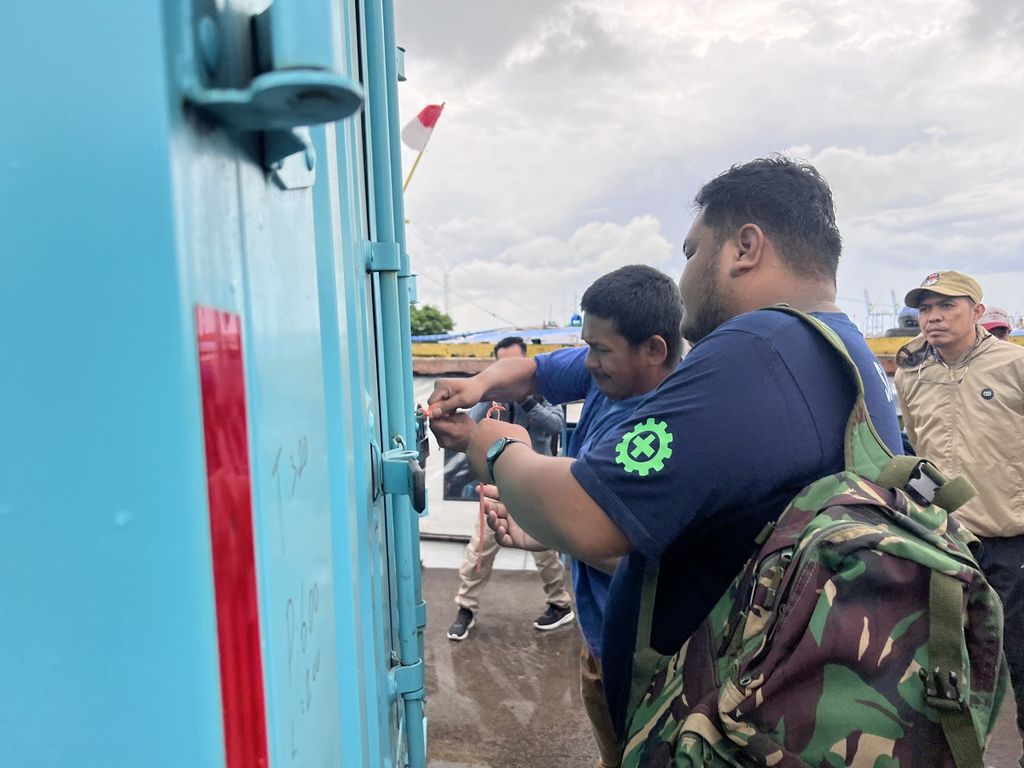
427	320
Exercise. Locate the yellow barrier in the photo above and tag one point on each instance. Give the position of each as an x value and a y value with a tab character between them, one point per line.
880	345
445	349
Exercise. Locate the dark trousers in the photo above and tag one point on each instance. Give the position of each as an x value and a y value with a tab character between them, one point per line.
1002	560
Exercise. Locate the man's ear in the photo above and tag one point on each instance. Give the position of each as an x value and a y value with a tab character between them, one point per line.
978	311
655	350
750	245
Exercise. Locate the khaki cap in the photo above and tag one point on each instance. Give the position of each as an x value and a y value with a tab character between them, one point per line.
948	283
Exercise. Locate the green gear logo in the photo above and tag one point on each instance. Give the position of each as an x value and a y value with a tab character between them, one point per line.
645	448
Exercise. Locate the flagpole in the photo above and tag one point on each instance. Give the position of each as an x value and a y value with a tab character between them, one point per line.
420	155
413	169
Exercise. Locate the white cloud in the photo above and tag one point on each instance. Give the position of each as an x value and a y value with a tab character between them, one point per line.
541	278
573	127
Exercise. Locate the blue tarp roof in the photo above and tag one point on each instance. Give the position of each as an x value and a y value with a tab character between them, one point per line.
568	334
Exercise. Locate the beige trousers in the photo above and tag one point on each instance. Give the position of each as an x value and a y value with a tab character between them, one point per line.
472	581
592	692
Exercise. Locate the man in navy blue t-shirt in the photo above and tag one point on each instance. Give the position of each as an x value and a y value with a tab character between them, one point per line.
632	330
755	412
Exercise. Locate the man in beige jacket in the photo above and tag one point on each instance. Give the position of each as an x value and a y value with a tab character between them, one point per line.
962	396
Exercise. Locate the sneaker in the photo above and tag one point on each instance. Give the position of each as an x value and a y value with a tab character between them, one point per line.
464	621
553	618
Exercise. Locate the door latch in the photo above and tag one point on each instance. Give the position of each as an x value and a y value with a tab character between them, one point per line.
295	82
404	476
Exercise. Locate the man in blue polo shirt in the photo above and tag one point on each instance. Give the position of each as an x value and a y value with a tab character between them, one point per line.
756	411
631	326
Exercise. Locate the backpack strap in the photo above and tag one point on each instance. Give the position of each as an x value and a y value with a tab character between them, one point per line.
645	658
868	456
942	684
865	452
922	480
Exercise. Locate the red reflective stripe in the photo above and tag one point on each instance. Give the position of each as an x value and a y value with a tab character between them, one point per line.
222	379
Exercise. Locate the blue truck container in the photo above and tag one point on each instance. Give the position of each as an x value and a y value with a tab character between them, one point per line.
209	489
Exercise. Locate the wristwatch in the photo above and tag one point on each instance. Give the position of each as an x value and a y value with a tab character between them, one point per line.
496	449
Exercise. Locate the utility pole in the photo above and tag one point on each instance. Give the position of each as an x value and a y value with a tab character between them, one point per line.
871	324
447	292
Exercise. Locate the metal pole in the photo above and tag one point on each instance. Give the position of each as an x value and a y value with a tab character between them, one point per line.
397	354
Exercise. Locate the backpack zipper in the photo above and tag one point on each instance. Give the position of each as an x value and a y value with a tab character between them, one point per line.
776	598
781	592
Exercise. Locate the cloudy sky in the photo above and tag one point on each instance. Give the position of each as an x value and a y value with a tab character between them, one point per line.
576	132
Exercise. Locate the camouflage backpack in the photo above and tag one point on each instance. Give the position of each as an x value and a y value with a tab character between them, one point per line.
862	632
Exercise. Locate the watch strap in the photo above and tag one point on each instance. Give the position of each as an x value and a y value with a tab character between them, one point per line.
497	448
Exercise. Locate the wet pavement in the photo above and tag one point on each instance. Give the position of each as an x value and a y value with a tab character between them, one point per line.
508	695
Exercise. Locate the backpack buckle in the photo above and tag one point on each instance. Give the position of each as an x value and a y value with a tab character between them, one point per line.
922	487
942	694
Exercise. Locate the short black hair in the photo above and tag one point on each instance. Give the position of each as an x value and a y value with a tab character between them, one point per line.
510	341
642	302
789	200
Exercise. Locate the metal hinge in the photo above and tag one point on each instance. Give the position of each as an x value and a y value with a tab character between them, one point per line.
383	257
406	680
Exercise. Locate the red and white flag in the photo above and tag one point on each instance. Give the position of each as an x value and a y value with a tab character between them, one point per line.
417	131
